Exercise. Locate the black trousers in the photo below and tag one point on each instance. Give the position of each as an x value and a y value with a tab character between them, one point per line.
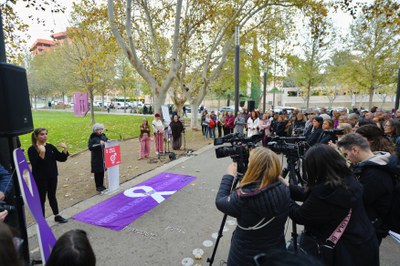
99	179
48	186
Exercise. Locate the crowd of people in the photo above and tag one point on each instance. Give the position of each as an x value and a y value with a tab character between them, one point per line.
355	188
348	202
316	126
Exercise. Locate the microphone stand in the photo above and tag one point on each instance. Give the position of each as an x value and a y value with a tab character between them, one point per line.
119	134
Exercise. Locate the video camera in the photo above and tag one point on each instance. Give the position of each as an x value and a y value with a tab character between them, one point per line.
239	150
332	132
4	206
298	131
289	146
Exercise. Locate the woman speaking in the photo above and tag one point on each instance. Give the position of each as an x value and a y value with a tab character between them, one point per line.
43	157
260	204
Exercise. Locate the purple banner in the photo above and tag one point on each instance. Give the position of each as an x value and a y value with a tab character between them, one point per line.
124	208
81	105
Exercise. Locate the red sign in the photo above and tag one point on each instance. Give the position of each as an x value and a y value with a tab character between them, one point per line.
112	156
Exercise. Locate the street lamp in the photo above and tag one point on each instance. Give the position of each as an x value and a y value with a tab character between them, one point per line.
398	92
237	54
265	91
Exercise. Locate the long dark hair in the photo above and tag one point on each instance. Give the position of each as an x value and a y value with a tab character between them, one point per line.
72	249
8	253
324	165
376	138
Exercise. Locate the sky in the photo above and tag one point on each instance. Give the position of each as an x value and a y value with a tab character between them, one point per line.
57	22
54	22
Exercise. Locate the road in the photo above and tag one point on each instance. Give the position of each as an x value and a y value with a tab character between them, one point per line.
182	225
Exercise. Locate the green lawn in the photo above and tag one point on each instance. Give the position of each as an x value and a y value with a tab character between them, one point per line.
75	131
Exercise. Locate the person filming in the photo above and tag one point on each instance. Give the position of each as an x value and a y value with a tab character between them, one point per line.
260	204
332	203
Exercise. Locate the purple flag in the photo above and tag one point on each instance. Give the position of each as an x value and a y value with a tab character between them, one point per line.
124	208
81	105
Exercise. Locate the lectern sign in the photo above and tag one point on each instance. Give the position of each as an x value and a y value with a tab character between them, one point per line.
112	156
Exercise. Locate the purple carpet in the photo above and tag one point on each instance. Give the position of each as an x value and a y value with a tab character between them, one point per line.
124	208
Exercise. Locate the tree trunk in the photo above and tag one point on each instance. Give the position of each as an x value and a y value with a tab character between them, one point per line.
194	121
63	102
308	97
102	102
159	99
371	95
124	90
91	97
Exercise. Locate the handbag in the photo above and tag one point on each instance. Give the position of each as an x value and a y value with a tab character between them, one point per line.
322	250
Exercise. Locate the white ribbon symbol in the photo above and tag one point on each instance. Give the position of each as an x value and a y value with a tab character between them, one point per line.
113	157
148	191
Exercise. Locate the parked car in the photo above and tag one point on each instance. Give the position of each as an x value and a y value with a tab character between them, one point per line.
338	109
227	109
286	109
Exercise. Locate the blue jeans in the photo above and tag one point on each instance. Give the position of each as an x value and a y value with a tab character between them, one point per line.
209	132
5	181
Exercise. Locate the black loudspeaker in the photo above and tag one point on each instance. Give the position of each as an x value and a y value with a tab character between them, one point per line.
251	105
15	107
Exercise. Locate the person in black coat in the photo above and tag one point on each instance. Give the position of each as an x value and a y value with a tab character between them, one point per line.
331	192
314	135
96	145
177	129
327	134
260	204
375	171
43	157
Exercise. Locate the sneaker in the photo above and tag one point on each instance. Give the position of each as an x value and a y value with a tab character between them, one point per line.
60	219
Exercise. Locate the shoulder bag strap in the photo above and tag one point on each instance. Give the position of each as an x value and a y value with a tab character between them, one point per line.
337	234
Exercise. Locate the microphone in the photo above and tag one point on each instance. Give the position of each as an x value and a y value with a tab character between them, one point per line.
119	134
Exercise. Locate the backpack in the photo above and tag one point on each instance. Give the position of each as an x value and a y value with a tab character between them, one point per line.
212	123
393	218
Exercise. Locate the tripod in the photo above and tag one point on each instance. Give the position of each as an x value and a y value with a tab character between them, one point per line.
293	169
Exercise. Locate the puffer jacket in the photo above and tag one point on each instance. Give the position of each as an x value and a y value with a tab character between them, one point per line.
267	208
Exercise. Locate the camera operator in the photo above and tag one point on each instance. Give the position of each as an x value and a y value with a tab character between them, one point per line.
331	194
260	204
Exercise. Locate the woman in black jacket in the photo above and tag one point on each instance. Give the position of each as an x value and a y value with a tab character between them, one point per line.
177	129
96	145
43	157
316	131
260	204
327	133
331	192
